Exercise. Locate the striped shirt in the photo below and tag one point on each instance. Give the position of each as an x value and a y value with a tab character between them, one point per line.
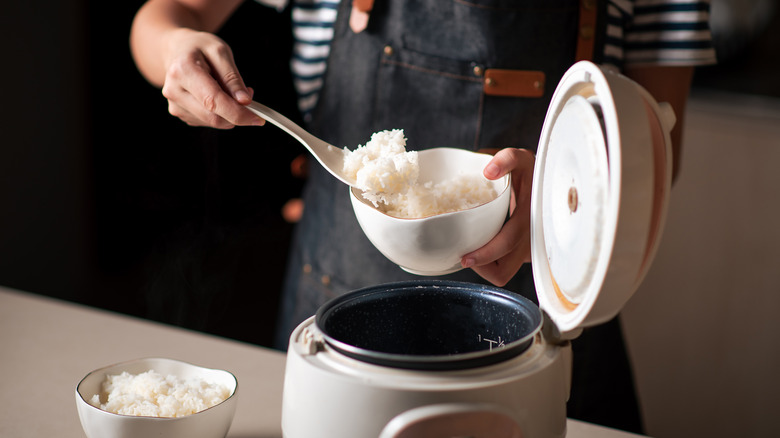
313	22
657	32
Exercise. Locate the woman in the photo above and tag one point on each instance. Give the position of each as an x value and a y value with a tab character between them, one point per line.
435	68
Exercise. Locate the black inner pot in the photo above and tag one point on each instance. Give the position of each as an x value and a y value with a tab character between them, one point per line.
430	324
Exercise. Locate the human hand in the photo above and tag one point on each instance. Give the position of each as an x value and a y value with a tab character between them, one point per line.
500	259
202	83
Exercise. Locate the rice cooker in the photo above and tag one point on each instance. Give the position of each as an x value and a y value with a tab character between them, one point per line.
435	358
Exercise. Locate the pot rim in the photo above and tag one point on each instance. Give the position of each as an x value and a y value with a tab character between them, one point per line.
456	361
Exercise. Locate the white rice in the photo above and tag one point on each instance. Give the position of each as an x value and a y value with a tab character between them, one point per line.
428	199
383	166
151	394
388	176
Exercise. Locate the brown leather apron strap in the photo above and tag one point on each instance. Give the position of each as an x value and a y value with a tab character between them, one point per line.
358	18
363	5
529	83
586	34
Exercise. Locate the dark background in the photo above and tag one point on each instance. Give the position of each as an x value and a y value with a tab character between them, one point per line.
107	200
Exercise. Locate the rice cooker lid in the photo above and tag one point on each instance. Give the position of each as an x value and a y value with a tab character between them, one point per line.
600	194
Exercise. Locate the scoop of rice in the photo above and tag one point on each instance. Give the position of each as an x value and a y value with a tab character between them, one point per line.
383	165
151	394
388	175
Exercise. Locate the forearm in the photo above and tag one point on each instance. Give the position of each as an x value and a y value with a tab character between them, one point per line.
672	85
158	21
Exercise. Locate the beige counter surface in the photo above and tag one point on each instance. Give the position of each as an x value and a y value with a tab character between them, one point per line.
47	346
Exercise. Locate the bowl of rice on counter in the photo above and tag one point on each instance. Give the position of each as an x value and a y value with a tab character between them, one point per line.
425	210
156	397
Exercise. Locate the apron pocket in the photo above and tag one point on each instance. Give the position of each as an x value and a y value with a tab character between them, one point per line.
436	101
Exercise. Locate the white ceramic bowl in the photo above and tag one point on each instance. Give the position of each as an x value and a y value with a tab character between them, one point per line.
213	422
434	245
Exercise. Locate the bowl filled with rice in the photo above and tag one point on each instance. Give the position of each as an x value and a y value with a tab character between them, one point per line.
425	210
156	397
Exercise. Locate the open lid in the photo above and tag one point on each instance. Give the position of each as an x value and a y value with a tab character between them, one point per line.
600	194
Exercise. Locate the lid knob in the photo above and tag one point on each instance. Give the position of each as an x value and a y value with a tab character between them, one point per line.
573	199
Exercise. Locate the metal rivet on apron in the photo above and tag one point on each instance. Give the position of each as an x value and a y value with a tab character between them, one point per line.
587	32
325	280
478	71
388	51
537	84
307	268
490	82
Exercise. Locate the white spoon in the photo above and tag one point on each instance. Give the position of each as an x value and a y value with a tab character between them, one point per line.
329	156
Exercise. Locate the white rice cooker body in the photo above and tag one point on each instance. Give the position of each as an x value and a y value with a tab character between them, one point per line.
327	394
600	192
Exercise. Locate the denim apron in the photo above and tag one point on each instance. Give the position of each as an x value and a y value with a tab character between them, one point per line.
420	66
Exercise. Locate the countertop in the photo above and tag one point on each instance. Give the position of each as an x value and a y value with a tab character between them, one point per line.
48	345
